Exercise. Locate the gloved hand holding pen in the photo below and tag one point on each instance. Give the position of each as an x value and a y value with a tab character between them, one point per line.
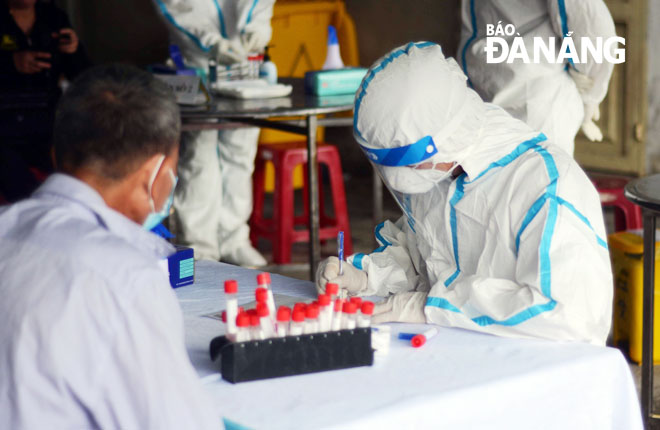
352	280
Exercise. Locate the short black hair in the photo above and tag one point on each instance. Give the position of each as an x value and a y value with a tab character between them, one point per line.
112	118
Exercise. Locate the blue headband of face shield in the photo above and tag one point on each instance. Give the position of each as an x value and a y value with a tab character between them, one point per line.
407	155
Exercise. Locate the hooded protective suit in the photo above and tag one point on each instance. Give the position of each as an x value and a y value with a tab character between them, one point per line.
553	98
213	201
511	244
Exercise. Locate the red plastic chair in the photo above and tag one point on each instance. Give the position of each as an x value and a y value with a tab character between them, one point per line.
627	215
281	229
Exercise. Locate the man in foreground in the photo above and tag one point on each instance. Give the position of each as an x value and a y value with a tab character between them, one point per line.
91	332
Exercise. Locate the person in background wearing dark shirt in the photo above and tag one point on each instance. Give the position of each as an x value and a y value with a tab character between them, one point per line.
38	50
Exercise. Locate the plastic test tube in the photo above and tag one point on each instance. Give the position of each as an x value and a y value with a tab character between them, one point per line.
255	327
336	315
283	318
325	315
312	319
261	295
265	321
263	280
243	325
348	318
332	290
417	340
357	301
364	319
231	288
298	324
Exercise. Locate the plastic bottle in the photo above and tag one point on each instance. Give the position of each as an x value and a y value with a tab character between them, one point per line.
337	315
325	315
263	280
283	318
349	317
265	321
268	69
367	310
298	324
311	319
243	324
333	57
231	288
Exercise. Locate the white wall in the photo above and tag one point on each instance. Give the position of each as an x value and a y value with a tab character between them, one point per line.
653	126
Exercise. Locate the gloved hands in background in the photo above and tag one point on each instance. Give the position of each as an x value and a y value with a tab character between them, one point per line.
405	307
229	52
591	111
353	280
256	40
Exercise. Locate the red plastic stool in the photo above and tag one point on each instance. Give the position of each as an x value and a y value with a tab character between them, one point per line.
627	215
281	228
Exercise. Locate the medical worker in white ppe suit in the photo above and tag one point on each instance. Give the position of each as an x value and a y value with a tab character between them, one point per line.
502	231
213	201
557	99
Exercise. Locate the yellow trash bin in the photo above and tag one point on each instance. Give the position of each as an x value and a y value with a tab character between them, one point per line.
626	251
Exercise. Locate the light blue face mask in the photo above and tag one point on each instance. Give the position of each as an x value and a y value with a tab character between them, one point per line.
154	218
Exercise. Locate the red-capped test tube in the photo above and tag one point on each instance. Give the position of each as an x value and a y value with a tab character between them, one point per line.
366	311
325	315
311	319
261	295
265	321
298	323
231	288
420	339
337	315
332	290
283	318
263	280
349	317
255	327
243	325
357	301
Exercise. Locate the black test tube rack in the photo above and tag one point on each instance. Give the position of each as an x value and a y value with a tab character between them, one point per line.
292	355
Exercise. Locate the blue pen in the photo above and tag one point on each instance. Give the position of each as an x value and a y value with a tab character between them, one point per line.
340	251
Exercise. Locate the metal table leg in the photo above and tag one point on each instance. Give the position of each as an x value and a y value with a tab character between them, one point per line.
377	188
647	317
313	188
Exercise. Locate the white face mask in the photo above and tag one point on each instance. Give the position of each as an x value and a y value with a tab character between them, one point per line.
409	180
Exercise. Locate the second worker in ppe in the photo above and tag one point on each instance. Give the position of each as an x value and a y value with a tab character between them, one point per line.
213	201
502	232
555	98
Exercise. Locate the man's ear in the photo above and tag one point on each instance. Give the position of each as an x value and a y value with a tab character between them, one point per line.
146	170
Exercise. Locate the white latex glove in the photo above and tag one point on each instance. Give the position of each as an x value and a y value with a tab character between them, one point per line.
584	85
229	52
589	127
353	280
405	307
256	40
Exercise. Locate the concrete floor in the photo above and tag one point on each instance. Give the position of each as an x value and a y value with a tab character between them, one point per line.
359	199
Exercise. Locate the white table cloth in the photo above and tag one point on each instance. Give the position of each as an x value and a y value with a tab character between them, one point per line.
458	380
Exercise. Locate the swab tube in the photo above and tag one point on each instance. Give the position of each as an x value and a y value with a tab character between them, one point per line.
283	318
263	280
231	288
337	315
348	319
243	325
367	310
265	321
298	324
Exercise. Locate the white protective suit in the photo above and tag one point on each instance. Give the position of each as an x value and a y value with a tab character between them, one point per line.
213	201
513	244
546	96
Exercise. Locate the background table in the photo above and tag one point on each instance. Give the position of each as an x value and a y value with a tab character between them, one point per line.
277	113
458	380
645	192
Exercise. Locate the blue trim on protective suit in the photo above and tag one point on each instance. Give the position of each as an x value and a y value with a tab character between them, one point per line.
407	155
176	25
379	236
357	261
584	219
249	16
221	18
377	69
357	258
458	194
439	302
564	25
469	41
551	221
529	216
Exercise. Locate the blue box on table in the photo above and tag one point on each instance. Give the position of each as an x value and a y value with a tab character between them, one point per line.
181	266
